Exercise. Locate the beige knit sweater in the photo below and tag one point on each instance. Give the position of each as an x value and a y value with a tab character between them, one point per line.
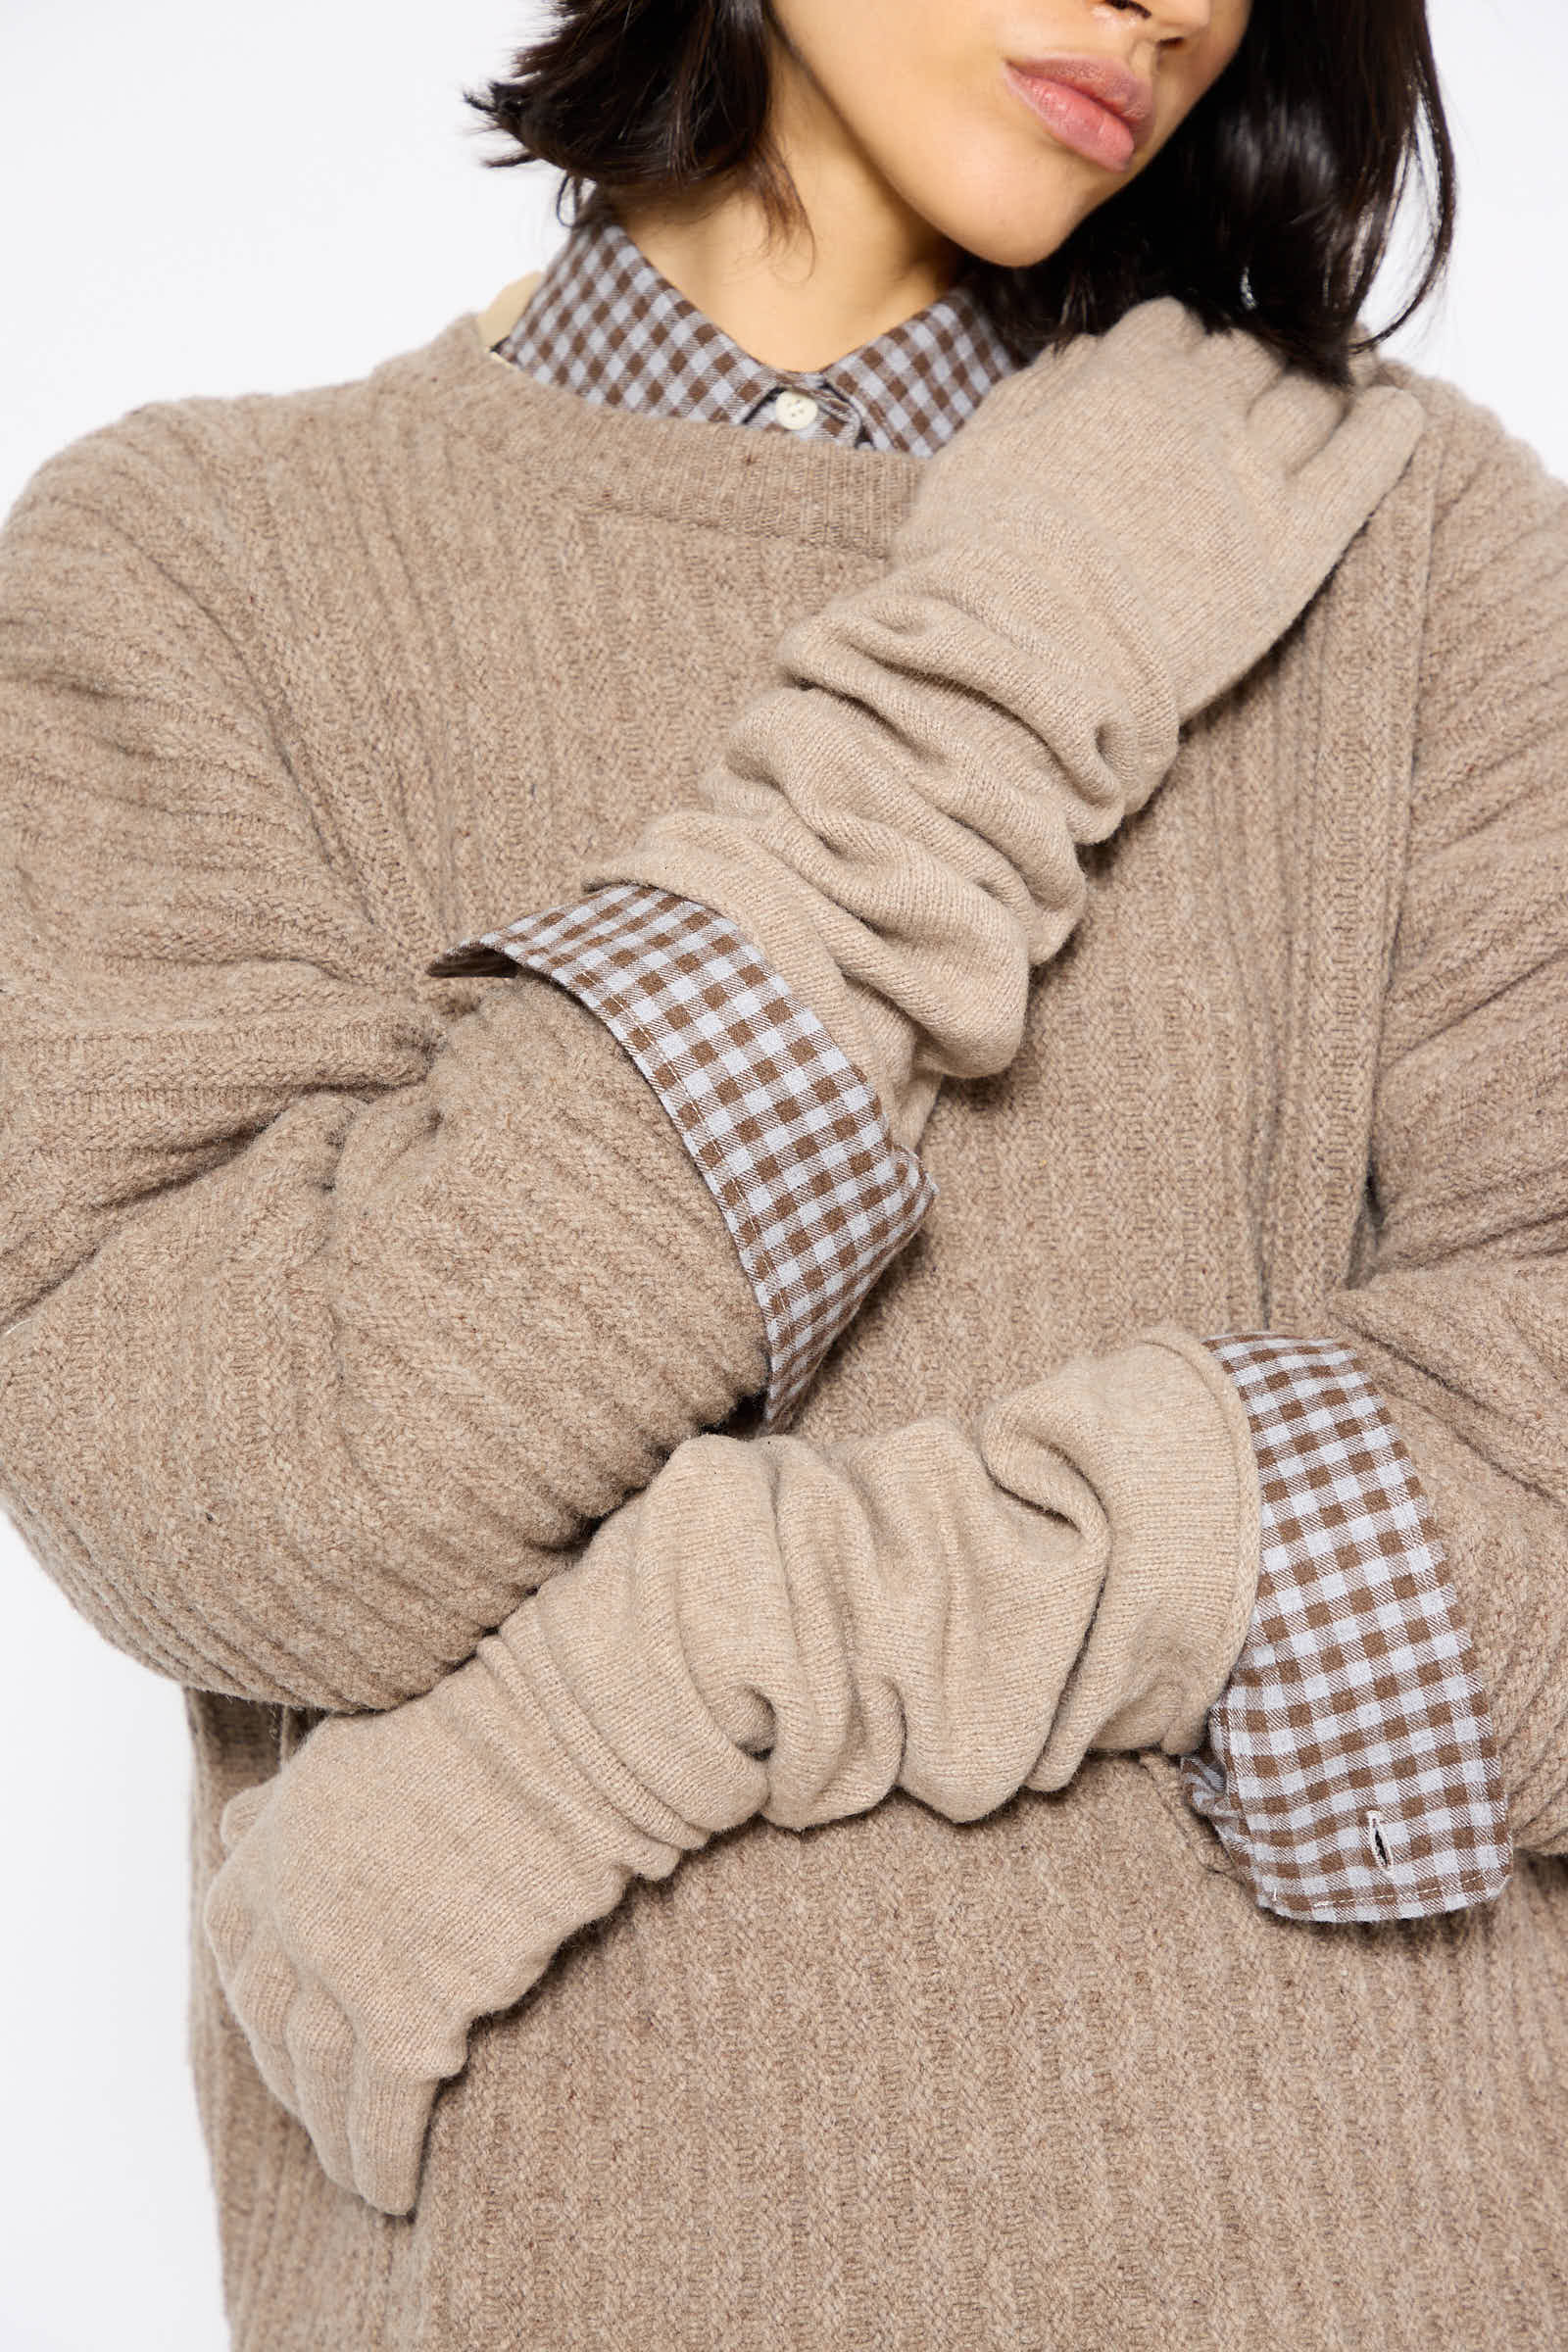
296	681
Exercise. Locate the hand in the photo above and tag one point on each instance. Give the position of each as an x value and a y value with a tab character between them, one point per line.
1193	487
405	1874
365	2113
271	1922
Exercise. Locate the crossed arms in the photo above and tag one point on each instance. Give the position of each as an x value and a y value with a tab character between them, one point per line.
160	1248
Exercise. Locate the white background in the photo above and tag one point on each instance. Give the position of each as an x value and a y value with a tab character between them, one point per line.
201	199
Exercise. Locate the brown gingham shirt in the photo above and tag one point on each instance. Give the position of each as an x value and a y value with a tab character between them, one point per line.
1350	1766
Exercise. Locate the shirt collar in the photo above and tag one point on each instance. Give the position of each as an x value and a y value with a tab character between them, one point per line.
605	324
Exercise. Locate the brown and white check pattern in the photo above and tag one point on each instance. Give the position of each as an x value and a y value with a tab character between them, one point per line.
1349	1767
790	1139
605	324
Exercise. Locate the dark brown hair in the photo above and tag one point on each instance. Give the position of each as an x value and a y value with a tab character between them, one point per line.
1270	207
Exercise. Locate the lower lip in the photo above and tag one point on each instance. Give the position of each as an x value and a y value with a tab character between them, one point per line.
1079	122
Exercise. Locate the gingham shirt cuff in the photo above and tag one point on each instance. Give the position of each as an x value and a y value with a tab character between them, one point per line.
1349	1765
789	1137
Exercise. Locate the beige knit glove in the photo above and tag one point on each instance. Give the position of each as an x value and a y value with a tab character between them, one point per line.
1118	534
772	1626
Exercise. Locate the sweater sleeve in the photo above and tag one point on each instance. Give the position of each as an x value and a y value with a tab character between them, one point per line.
1459	1321
1397	1721
334	1303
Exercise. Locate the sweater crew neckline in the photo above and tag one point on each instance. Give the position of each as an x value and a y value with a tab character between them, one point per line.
758	484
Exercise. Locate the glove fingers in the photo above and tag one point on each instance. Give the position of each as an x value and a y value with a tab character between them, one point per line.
1160	328
259	1985
366	2124
261	1989
275	2066
239	1813
1027	390
1380	429
1191	379
227	1925
1145	355
387	2118
321	2049
1291	421
1235	372
1334	491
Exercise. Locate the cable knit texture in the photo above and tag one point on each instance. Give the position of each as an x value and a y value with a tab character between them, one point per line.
310	686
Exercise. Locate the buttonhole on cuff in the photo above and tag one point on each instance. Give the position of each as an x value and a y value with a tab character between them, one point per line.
1378	1843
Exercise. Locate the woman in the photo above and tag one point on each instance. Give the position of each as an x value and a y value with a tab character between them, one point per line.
359	1299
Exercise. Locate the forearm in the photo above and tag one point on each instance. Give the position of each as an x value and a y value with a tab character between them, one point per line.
899	825
956	1610
305	1429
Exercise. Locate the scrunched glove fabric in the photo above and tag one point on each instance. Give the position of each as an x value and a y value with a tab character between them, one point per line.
772	1626
1115	536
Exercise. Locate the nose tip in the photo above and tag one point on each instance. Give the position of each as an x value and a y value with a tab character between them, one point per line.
1177	19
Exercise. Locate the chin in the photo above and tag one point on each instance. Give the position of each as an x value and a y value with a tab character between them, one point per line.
1013	249
1011	243
1008	219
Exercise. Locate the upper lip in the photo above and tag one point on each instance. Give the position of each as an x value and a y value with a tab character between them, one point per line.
1114	84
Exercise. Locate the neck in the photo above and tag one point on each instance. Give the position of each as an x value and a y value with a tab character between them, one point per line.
858	263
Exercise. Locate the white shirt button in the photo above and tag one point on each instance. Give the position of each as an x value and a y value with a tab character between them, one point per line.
795	411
